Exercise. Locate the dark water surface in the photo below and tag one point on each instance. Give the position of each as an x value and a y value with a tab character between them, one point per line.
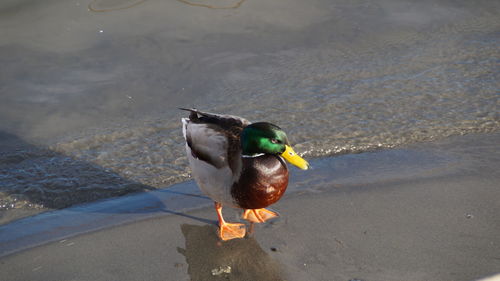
89	96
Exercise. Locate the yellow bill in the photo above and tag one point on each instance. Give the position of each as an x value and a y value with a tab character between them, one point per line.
294	159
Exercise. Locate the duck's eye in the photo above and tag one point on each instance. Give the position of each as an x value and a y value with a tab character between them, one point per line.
275	141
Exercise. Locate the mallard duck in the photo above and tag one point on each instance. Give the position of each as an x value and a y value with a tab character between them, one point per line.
239	164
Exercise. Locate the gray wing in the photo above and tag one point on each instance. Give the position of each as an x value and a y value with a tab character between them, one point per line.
205	143
214	138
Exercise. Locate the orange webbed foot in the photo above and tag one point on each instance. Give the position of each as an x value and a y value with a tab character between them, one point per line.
228	231
259	215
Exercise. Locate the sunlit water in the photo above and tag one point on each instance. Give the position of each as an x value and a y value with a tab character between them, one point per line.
89	93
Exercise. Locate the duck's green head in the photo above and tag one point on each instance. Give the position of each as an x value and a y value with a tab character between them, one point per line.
263	137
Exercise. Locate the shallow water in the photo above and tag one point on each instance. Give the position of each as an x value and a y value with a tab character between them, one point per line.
458	159
89	98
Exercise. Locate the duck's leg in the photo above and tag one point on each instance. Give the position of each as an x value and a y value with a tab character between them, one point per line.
228	231
259	215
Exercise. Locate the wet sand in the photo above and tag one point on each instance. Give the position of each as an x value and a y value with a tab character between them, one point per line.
426	212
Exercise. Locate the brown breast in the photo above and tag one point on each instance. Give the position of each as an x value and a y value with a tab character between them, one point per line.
262	182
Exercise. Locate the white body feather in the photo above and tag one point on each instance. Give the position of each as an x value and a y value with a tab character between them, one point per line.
214	182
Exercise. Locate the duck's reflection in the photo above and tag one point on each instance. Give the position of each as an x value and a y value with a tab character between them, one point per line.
240	259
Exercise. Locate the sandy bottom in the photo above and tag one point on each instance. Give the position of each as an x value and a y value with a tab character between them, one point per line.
386	221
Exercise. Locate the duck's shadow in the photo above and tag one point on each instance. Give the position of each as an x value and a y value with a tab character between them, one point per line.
209	258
